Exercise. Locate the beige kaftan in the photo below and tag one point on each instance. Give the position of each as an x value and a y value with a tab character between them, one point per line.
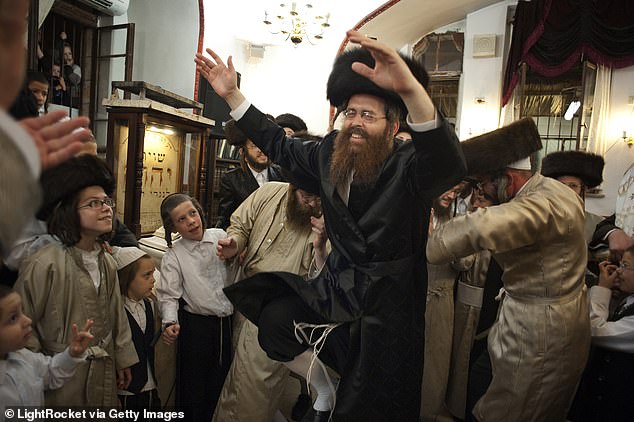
57	291
540	341
253	388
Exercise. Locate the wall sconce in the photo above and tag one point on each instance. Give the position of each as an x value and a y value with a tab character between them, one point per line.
572	109
629	140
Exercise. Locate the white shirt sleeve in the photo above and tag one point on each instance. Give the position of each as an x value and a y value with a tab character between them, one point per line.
613	335
425	126
169	288
240	110
56	370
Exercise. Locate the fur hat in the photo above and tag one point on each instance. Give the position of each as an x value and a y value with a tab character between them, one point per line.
502	147
234	135
291	121
68	178
344	82
588	167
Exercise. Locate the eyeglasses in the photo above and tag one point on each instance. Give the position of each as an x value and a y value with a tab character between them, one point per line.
573	185
97	204
366	116
625	266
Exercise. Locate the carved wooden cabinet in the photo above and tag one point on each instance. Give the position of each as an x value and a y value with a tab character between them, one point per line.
154	149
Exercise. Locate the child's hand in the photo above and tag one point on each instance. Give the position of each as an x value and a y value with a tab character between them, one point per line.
608	276
124	377
81	339
170	334
227	248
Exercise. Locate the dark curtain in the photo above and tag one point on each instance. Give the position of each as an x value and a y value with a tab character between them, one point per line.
551	36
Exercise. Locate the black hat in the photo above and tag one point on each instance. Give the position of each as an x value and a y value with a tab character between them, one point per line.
68	178
344	82
502	147
291	121
587	167
234	135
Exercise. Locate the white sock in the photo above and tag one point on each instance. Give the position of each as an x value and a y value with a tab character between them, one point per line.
319	380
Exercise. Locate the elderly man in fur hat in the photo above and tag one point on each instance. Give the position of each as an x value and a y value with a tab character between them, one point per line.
237	184
579	171
363	315
540	340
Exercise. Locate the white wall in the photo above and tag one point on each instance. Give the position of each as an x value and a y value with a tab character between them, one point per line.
619	155
482	77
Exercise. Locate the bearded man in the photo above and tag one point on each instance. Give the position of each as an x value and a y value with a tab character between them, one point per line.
539	343
275	225
363	315
237	184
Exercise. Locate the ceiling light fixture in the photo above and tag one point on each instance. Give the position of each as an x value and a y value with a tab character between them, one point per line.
297	21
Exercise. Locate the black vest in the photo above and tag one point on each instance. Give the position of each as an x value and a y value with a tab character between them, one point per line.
144	348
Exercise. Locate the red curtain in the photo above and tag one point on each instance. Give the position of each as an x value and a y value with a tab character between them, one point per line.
551	36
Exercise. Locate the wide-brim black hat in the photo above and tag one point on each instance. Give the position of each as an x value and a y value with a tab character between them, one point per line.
291	121
502	147
587	167
344	82
234	135
68	178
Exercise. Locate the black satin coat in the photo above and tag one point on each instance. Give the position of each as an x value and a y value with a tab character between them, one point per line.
376	276
235	186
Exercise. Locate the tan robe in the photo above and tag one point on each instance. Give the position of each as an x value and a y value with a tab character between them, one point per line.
540	341
56	292
253	389
439	316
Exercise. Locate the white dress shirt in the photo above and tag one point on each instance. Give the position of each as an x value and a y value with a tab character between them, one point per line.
25	375
613	335
260	177
192	270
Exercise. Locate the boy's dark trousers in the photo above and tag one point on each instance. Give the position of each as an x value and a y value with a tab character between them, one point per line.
203	361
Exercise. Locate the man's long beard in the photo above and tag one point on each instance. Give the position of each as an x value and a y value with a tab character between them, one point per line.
254	164
365	162
442	213
297	214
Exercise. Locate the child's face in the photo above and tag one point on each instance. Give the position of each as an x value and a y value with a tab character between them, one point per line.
15	327
187	221
143	282
626	273
95	217
39	91
56	71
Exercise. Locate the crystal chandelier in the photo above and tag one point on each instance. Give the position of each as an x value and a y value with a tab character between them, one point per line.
297	21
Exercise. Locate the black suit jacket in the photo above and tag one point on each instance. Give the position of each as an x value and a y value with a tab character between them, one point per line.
235	186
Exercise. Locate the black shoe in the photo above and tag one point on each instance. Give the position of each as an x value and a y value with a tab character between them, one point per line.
317	416
301	407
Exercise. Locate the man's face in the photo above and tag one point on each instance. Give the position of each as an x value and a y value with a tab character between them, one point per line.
368	120
289	131
486	192
39	90
13	15
254	156
301	206
573	183
446	199
365	141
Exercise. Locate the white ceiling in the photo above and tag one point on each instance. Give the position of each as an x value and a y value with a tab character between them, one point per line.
399	23
406	21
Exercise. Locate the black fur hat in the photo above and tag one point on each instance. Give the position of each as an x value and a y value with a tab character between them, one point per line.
291	121
495	150
344	82
234	135
588	167
68	178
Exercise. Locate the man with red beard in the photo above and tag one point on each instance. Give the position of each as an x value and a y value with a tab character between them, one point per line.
237	184
363	315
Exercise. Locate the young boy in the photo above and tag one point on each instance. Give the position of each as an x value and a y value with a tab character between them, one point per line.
25	375
608	381
192	274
